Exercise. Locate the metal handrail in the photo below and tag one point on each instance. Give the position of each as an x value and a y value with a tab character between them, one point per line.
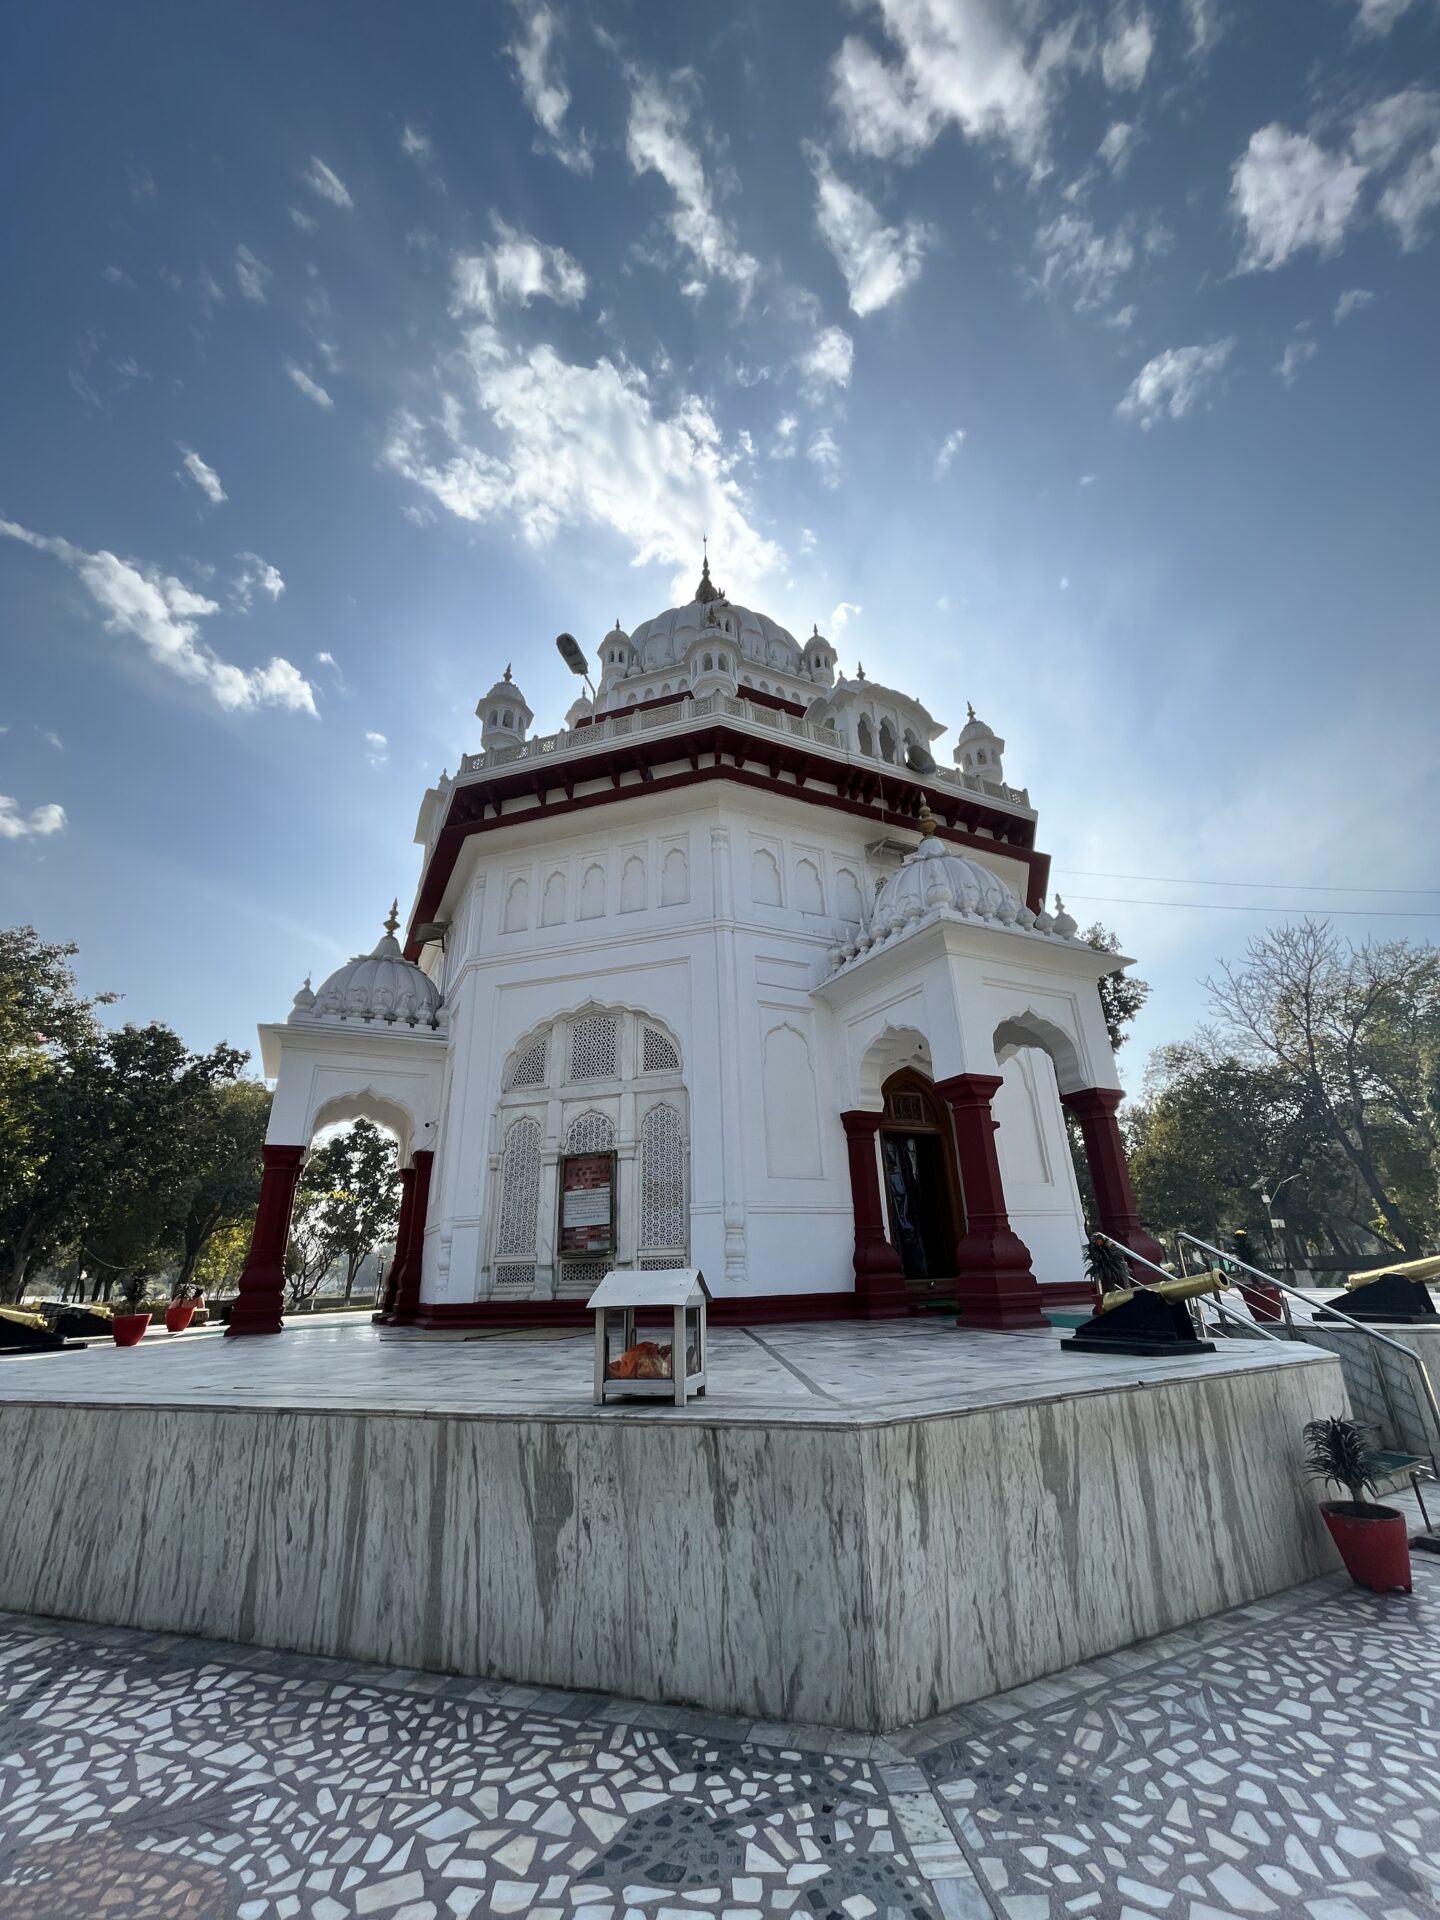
1228	1312
1371	1333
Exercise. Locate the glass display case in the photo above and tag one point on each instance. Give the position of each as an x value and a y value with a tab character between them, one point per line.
650	1335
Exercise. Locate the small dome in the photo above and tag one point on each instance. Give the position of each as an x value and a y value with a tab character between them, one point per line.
581	708
979	749
382	986
305	998
939	876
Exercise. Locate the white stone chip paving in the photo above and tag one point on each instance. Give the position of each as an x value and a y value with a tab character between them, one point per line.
1281	1760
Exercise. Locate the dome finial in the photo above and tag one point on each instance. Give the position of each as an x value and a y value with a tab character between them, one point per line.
929	825
969	710
707	590
506	674
392	919
859	669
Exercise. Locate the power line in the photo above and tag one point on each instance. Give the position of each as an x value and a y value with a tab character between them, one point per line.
1177	880
1245	906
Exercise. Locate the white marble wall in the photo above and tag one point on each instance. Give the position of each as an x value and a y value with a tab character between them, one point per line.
857	1575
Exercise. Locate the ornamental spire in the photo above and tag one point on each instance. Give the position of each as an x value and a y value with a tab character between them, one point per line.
392	919
707	590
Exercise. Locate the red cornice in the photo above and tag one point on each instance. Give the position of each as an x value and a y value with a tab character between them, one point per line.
872	792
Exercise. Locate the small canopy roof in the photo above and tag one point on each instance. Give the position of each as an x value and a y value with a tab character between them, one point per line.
670	1287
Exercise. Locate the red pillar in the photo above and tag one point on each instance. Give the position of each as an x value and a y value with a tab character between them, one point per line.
407	1265
386	1308
1094	1108
994	1283
879	1275
260	1307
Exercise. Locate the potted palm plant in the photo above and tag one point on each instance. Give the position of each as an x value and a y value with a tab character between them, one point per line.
1371	1538
130	1319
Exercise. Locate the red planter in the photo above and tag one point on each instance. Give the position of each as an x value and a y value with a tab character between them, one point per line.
1264	1302
129	1328
1372	1542
179	1314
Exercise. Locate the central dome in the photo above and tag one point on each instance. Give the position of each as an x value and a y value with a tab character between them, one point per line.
763	642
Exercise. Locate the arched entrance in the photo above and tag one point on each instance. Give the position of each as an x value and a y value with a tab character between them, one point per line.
921	1183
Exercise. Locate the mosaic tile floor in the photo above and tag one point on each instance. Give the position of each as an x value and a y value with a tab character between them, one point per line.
1281	1760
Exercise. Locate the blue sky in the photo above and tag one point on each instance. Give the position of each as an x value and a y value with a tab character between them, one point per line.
1076	361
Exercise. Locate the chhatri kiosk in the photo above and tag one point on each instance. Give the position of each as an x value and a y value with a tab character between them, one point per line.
729	974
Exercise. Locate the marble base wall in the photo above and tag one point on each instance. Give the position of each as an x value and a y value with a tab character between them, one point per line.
854	1576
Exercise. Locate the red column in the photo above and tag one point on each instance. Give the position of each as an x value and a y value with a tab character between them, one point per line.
407	1266
994	1284
1094	1108
879	1275
260	1307
386	1307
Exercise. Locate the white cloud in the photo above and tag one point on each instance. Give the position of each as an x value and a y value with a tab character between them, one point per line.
251	276
1293	359
1171	383
117	276
582	446
1121	319
949	447
192	467
1351	301
1408	202
655	142
543	85
327	183
827	361
1206	25
1289	192
377	749
1384	129
1114	149
163	614
979	65
311	389
840	618
1125	56
414	143
212	294
823	453
39	822
1374	18
516	269
1080	257
785	430
306	222
254	573
879	262
52	739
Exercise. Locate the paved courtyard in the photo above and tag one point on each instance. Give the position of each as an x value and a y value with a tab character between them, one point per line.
1280	1760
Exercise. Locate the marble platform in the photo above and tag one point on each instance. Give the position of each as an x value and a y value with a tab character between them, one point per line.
860	1526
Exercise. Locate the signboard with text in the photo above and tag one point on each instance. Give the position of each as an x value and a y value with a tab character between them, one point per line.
587	1203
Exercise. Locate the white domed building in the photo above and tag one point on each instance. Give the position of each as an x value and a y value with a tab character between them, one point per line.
726	973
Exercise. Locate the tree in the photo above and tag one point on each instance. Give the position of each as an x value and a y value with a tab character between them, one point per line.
1121	994
227	1131
349	1197
101	1141
46	1030
1355	1032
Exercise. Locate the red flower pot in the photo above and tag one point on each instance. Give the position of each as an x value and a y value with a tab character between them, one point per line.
1372	1542
129	1328
1264	1302
179	1314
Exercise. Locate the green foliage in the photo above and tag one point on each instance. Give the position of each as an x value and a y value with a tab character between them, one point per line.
347	1204
106	1135
1121	994
1353	1035
1338	1452
1105	1265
